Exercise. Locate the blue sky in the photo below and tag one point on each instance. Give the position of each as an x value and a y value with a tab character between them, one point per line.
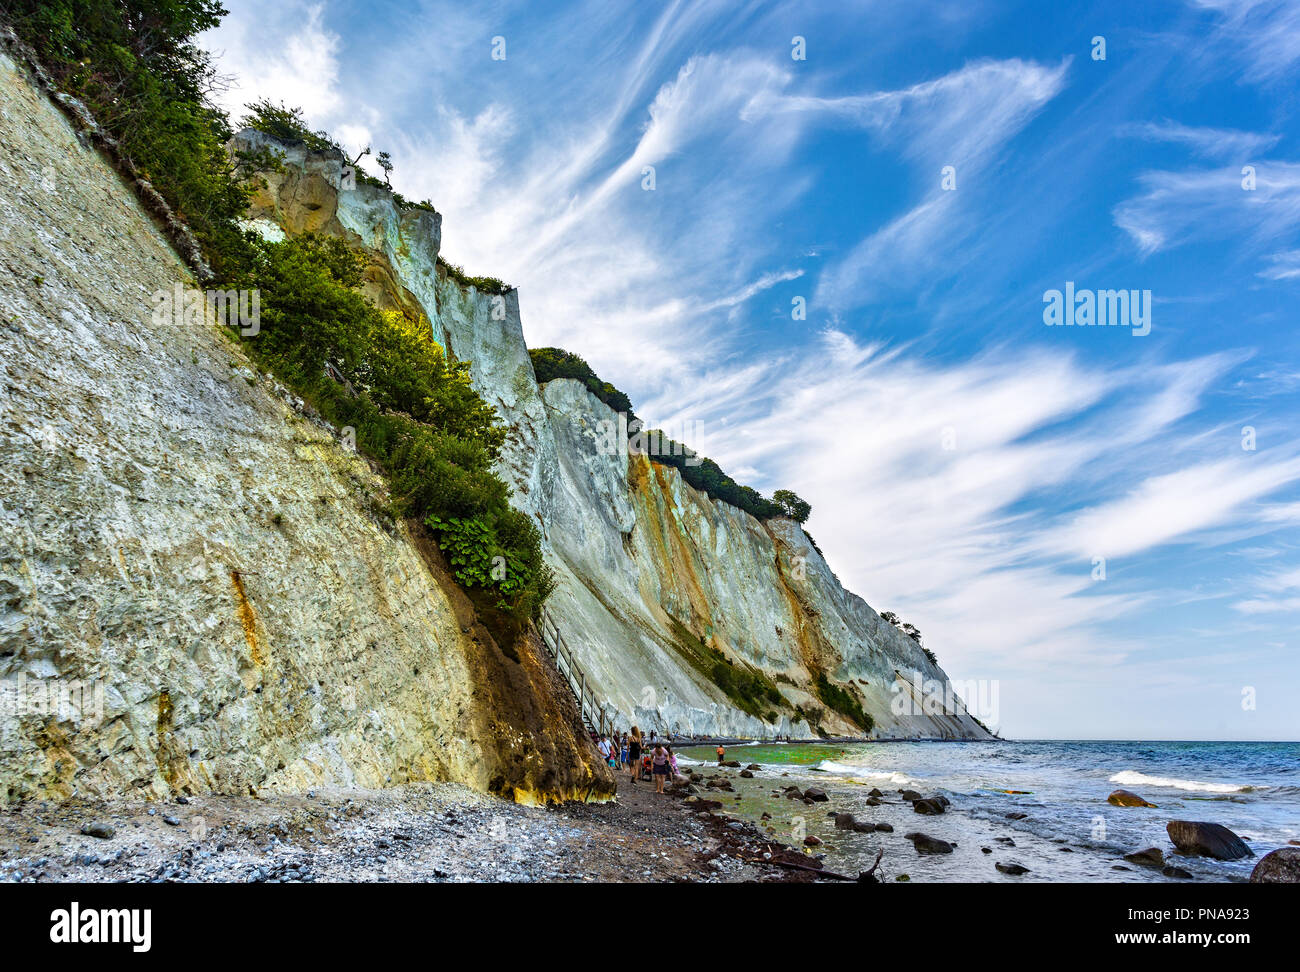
966	463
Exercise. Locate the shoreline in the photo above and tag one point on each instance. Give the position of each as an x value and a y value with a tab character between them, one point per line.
411	833
728	741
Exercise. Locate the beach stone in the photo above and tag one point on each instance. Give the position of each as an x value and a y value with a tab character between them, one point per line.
1011	867
1151	857
910	795
930	808
1127	798
812	841
846	821
925	844
885	828
733	763
746	774
700	804
986	850
875	792
793	793
1177	872
1017	816
816	794
753	766
1281	866
98	829
872	802
1210	839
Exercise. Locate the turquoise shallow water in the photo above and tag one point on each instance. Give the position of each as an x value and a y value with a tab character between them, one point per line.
1069	832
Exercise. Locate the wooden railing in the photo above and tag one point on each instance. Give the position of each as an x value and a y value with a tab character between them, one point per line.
596	715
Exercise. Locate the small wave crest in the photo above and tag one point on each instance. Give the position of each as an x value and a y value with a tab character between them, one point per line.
1134	778
863	773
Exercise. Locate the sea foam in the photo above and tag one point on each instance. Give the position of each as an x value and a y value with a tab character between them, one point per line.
1134	778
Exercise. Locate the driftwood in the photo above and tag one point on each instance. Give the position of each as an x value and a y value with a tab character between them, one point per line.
866	877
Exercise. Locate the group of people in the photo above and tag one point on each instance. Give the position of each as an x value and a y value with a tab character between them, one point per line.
633	752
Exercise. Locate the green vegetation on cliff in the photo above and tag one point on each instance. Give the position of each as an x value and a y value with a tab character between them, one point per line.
702	473
412	410
844	702
748	688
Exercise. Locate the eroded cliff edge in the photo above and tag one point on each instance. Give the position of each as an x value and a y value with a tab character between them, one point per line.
183	539
657	583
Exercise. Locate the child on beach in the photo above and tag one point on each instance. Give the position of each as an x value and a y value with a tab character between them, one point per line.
660	768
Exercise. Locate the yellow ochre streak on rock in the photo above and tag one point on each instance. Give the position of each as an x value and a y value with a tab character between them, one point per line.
247	618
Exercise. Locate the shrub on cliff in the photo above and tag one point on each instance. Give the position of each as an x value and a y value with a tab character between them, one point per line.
413	411
552	363
484	285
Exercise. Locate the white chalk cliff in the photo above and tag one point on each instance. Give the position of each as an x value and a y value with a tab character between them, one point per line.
649	568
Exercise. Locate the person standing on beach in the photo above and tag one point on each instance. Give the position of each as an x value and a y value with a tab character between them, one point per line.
634	752
722	754
659	767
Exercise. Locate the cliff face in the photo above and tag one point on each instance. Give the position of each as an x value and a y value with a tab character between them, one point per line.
200	560
657	582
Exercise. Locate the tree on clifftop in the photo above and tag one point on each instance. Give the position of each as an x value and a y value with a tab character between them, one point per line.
795	508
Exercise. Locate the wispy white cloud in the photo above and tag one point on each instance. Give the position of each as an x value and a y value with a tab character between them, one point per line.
1264	35
1284	265
1182	207
1228	144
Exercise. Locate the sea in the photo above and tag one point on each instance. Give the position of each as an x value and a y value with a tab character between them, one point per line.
1068	832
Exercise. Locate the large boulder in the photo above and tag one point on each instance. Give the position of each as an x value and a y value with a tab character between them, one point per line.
1127	798
1281	866
1208	839
931	808
815	794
